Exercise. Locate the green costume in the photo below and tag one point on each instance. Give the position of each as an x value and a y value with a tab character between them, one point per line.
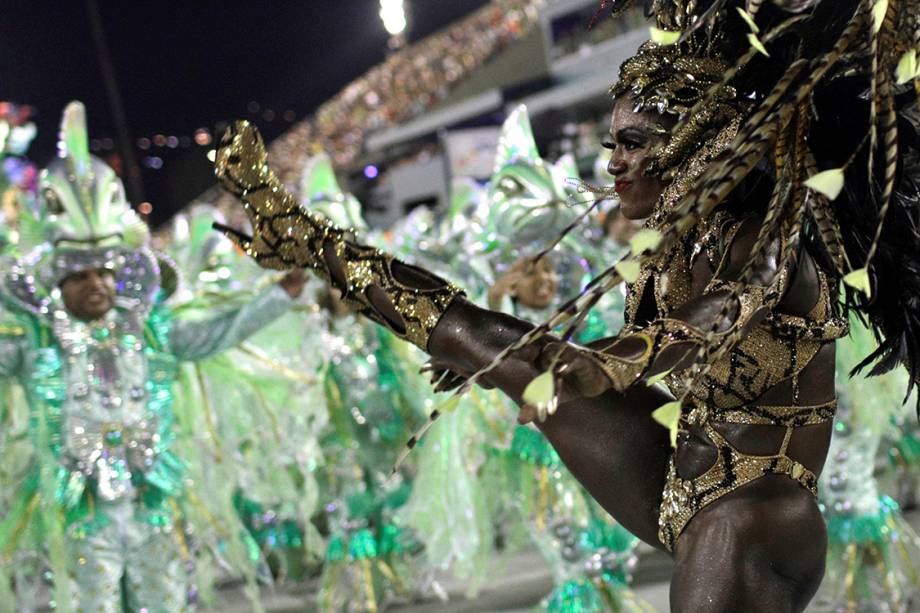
107	491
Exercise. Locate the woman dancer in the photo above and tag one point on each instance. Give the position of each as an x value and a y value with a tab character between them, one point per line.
719	140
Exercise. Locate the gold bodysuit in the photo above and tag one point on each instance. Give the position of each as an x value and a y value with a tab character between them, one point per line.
771	352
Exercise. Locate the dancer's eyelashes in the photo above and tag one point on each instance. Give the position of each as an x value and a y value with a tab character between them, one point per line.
630	138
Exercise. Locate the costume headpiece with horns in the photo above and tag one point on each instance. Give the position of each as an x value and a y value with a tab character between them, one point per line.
82	221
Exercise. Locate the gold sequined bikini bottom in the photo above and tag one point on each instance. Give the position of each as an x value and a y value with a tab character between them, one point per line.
684	498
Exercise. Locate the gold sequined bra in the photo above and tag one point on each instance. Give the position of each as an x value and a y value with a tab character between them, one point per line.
774	351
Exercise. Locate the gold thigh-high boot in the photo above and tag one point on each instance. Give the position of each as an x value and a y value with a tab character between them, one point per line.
406	299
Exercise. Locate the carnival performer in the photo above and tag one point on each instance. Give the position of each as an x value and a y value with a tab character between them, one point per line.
733	156
97	354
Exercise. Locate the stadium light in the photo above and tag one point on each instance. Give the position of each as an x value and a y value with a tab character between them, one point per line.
393	14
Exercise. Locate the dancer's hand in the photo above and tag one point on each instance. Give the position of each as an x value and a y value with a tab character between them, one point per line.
293	282
281	230
445	379
579	374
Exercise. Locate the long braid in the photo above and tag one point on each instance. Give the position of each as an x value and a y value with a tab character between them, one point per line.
890	128
875	97
826	222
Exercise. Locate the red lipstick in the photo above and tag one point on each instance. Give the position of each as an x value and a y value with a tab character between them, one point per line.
621	186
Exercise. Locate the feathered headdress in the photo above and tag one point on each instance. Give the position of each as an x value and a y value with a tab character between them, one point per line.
82	221
529	201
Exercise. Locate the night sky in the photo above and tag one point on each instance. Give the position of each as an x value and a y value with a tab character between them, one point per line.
185	65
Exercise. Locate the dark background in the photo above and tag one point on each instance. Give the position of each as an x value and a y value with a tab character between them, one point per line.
181	66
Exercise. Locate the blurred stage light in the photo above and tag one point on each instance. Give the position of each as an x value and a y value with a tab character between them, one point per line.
393	14
202	136
371	171
153	161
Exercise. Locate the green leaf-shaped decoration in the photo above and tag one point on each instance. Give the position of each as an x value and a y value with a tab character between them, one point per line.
829	182
628	269
645	239
566	167
450	404
318	178
878	14
748	19
320	191
540	391
908	69
658	378
859	279
755	42
74	144
663	37
516	142
668	415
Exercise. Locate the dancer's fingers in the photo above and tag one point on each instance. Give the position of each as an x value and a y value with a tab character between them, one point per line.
579	372
450	382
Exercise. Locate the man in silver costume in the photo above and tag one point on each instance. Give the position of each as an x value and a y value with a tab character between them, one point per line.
96	351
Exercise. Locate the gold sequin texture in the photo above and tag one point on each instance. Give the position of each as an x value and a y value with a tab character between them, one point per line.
684	498
287	236
774	350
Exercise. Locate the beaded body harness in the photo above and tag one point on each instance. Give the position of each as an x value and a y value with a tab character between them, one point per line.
774	351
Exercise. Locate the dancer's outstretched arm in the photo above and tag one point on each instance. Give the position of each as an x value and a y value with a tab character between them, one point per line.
609	441
411	301
602	431
195	340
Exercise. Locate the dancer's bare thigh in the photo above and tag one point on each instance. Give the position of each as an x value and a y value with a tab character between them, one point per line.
618	452
759	548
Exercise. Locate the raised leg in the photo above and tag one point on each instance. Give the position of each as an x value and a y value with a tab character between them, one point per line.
610	443
759	548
